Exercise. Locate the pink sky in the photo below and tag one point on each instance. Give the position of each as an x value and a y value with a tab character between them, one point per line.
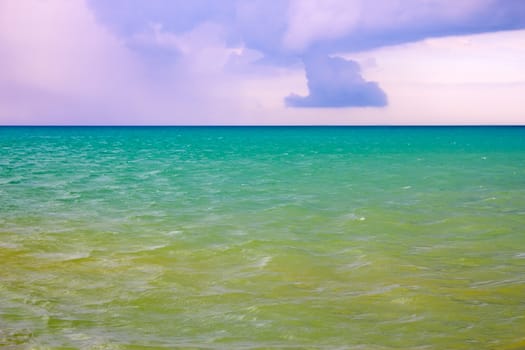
74	62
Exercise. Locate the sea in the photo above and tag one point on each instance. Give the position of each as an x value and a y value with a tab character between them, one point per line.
262	238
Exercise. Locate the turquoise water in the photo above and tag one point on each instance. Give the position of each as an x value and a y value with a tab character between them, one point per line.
262	238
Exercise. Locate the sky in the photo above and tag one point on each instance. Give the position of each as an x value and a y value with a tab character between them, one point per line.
262	62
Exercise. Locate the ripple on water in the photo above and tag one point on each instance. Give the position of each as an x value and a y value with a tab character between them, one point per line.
262	262
9	245
322	239
62	257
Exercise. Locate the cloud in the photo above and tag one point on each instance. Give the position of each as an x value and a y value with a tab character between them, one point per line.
325	20
297	27
129	17
356	25
206	61
335	82
287	31
88	74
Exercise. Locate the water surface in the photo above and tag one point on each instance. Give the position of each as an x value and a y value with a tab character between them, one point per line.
259	238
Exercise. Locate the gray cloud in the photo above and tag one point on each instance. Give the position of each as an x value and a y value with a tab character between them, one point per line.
335	82
287	31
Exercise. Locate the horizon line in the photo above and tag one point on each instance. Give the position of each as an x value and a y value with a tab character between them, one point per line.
257	125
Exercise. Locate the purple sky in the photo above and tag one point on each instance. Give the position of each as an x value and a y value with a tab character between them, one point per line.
262	62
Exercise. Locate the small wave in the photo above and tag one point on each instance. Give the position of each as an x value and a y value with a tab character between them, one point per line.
11	181
408	319
376	291
65	195
173	233
263	262
218	290
355	265
15	336
402	301
354	217
144	249
148	174
239	233
494	283
63	256
7	245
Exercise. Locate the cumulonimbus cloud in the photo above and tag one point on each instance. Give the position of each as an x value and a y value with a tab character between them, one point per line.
335	82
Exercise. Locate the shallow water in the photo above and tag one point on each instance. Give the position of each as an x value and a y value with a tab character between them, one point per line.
257	238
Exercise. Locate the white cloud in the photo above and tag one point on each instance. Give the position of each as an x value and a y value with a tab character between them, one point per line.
61	66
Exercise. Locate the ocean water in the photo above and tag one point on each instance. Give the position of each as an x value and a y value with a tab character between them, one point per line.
262	238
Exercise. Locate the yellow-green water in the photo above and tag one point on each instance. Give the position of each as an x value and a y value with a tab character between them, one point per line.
262	238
